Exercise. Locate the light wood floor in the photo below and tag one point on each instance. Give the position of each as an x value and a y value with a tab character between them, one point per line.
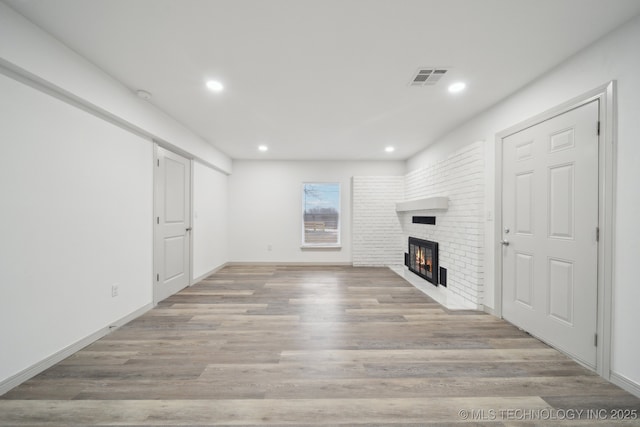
314	346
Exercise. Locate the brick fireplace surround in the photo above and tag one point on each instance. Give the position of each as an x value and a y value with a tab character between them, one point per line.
380	234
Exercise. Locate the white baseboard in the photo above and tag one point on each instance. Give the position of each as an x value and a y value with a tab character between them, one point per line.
59	356
489	310
209	273
284	264
625	383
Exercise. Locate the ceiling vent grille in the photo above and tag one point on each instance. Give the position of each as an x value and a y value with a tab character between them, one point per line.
427	76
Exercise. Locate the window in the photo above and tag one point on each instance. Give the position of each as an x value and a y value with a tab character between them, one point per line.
321	214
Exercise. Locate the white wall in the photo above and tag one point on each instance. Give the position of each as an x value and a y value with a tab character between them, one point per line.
26	48
265	207
77	196
210	208
76	215
614	57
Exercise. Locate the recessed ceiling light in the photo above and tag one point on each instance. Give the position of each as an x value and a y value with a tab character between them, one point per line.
263	148
457	87
389	149
215	85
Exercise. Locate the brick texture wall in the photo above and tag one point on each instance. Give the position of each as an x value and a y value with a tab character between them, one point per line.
377	230
459	230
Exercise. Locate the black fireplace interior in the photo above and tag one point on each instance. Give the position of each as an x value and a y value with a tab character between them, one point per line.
422	259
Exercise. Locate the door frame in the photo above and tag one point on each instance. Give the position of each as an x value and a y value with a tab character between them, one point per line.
606	209
156	255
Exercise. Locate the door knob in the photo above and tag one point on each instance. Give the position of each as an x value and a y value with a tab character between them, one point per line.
505	242
187	229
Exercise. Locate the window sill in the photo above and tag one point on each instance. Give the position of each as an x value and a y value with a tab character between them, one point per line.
321	247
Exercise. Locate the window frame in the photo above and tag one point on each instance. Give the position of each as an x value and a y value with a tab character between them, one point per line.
306	245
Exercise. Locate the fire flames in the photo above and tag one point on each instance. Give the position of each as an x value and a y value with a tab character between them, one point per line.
422	261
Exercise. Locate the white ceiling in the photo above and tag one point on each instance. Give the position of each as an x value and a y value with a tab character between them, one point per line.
324	79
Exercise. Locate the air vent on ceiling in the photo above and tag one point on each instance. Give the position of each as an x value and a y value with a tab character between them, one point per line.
427	76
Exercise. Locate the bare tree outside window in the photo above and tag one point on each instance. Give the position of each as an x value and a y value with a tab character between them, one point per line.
321	214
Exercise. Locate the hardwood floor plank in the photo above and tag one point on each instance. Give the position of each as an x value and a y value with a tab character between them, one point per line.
251	412
421	355
430	387
92	357
471	369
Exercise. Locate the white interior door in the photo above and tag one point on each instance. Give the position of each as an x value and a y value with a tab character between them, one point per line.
172	223
550	219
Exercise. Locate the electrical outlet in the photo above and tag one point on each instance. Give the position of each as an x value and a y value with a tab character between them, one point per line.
114	291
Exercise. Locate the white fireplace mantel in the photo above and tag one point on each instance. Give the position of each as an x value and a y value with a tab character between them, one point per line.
428	203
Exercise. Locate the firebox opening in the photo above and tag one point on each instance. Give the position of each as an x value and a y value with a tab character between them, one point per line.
423	259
